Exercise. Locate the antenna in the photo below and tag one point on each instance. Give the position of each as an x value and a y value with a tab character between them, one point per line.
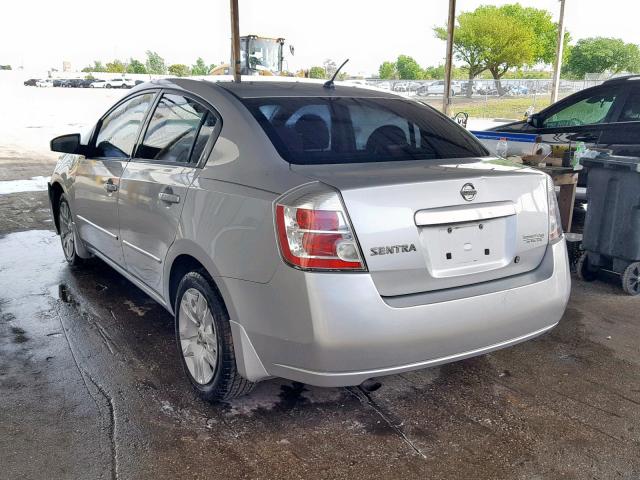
329	83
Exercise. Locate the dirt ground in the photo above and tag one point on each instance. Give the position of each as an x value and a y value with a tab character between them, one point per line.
90	388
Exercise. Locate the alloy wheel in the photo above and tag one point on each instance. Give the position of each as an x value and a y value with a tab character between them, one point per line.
66	231
198	338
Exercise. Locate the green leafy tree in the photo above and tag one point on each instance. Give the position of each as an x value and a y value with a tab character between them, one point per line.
468	44
317	72
434	73
136	66
179	70
200	68
155	63
508	43
600	54
96	67
116	66
498	39
408	68
387	70
545	31
330	67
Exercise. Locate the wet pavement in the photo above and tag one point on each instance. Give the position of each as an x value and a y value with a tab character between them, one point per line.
90	387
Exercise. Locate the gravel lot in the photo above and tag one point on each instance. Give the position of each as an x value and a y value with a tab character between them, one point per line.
90	386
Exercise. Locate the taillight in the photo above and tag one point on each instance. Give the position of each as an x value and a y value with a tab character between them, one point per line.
555	223
314	232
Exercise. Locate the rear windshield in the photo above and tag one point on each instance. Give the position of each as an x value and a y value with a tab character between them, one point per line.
316	130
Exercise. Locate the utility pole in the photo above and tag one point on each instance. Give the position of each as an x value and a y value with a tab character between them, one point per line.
557	66
451	24
235	41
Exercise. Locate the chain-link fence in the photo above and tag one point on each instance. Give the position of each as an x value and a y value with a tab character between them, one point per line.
486	98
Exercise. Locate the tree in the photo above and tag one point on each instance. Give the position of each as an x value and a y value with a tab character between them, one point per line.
600	54
330	67
317	72
545	31
155	63
468	44
388	70
500	38
116	66
408	68
179	70
507	43
97	67
200	68
136	66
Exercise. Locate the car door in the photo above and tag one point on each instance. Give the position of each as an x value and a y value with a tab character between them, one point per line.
622	134
98	175
154	184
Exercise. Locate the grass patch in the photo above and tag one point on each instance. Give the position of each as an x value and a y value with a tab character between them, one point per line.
505	107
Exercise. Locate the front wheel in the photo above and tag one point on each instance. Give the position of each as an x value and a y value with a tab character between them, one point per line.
107	86
205	345
67	234
631	279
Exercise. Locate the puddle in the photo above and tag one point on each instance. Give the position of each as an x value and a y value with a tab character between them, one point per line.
34	184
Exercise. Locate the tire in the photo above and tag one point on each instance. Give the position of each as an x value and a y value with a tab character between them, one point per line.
585	270
67	236
204	339
631	279
108	85
123	86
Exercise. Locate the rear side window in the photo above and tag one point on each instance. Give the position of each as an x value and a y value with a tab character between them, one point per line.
318	130
119	129
631	110
177	131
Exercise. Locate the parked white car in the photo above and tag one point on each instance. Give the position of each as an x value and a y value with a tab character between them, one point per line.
44	83
437	88
113	83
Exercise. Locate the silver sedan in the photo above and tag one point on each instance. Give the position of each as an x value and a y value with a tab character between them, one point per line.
324	235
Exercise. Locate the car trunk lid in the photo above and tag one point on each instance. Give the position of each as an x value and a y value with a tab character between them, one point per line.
425	227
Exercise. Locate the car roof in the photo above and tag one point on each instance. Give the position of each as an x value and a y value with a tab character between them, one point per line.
302	88
621	79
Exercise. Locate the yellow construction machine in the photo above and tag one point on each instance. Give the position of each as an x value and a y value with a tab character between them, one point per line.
259	56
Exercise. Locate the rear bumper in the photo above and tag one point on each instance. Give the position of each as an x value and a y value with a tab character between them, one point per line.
335	329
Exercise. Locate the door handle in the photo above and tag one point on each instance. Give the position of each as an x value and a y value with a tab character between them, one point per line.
110	187
169	197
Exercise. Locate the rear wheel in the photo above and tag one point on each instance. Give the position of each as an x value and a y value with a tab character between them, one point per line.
585	270
205	345
108	85
631	279
67	234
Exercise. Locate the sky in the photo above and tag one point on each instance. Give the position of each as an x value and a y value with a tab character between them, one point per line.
40	34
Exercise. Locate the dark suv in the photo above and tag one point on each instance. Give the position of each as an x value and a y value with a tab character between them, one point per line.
606	116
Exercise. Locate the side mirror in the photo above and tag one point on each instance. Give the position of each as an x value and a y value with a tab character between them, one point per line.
292	49
535	120
68	144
